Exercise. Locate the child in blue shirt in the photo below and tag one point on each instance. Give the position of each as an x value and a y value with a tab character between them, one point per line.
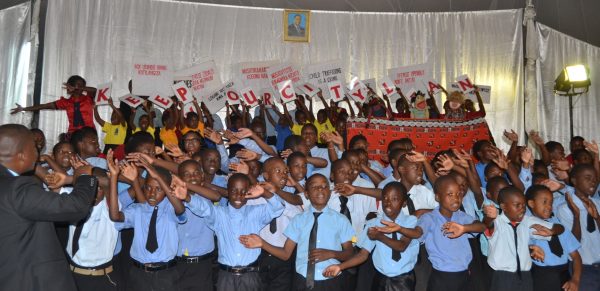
154	221
553	272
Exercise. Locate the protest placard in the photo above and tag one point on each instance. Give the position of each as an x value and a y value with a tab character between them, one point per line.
254	74
161	100
204	78
485	92
286	91
281	73
336	90
131	100
249	97
216	101
103	92
371	83
269	98
464	84
309	89
150	78
434	87
183	93
410	76
358	91
320	74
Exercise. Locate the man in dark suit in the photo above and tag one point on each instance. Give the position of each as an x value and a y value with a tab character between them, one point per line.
30	255
295	29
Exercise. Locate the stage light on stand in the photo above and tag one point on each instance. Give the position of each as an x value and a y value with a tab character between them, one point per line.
573	80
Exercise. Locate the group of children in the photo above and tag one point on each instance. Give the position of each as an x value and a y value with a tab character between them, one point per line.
235	209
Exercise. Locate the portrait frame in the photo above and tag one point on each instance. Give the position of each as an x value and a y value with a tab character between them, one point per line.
299	32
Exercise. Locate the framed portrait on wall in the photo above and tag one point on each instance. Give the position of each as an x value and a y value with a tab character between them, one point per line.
296	25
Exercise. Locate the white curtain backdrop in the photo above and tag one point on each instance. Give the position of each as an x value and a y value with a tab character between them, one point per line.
98	39
16	71
558	50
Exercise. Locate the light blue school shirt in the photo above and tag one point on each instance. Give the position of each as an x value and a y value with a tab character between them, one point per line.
334	230
568	242
229	223
137	216
382	254
590	242
195	237
446	254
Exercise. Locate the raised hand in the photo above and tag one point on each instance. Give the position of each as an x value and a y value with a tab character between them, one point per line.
453	229
247	155
416	157
129	171
255	192
174	150
240	167
17	109
572	206
178	188
541	230
590	207
113	164
228	134
158	150
55	179
286	153
213	136
501	160
78	162
591	147
527	157
490	211
562	165
344	189
511	136
537	253
244	133
251	241
553	185
536	138
446	163
389	227
268	187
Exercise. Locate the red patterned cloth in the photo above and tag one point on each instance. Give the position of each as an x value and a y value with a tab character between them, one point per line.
428	135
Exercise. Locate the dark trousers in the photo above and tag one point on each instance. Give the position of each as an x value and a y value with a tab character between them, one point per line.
333	284
479	280
239	282
140	280
122	261
195	276
403	282
549	278
422	269
275	274
157	140
590	278
510	281
366	277
447	281
96	283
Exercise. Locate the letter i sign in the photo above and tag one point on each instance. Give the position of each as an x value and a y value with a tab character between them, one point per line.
102	94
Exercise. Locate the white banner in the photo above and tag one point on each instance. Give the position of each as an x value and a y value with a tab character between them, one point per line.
410	76
254	74
320	74
131	100
204	79
150	78
163	101
103	92
183	93
283	72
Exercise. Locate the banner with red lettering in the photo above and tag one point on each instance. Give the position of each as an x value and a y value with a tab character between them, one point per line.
163	101
103	92
204	78
254	74
132	101
321	74
183	93
283	72
411	77
150	78
268	97
485	92
215	101
428	135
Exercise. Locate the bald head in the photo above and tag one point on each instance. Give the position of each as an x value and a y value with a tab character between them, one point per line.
17	148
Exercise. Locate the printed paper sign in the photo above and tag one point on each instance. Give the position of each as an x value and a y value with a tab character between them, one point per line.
103	92
269	99
132	101
410	76
150	78
249	97
387	87
216	101
286	91
283	72
183	93
484	91
434	87
161	100
254	74
464	84
359	93
336	90
320	74
309	89
204	79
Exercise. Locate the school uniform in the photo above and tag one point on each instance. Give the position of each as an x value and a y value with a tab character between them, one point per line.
90	250
478	277
154	246
449	258
238	265
590	241
509	252
553	272
330	230
358	206
324	154
276	274
195	252
394	269
480	168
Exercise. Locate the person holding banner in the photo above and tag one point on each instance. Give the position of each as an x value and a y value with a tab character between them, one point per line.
193	120
115	130
79	106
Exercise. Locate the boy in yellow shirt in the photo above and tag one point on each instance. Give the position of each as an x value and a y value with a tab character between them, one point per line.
115	130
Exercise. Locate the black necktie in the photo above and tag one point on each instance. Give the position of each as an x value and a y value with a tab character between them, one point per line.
152	242
514	227
411	206
76	235
555	246
462	208
591	224
344	207
77	117
395	253
273	225
312	244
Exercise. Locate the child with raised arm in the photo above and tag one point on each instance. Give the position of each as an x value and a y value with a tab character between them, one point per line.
154	221
238	265
115	130
323	237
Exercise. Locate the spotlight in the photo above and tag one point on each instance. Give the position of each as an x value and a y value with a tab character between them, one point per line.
572	78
